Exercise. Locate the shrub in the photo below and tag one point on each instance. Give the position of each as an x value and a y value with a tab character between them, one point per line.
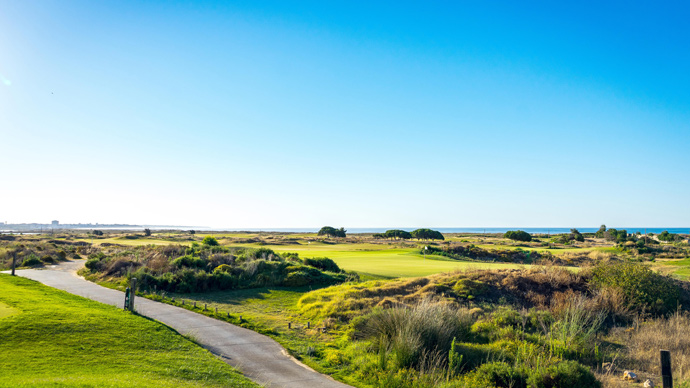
565	374
210	241
502	375
32	261
518	235
322	263
189	261
643	288
223	268
94	264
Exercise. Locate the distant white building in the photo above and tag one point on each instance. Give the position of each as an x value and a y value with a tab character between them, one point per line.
55	223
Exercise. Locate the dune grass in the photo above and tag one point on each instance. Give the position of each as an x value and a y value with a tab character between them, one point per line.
60	340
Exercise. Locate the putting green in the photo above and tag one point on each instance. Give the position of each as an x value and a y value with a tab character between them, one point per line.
383	260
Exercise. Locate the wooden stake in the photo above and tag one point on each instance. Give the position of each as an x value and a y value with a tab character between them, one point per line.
666	376
132	292
14	261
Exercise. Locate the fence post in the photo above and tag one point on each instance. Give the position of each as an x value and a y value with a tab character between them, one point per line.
132	292
14	261
666	376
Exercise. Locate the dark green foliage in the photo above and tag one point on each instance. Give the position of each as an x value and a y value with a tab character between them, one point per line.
565	374
518	235
201	268
574	235
397	234
147	232
322	263
670	237
644	289
427	234
32	261
189	261
502	375
97	233
601	231
616	235
330	231
460	252
94	264
210	241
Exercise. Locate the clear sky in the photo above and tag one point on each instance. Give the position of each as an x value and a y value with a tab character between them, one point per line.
345	113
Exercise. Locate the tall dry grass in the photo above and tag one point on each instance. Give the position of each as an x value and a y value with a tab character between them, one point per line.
672	334
418	336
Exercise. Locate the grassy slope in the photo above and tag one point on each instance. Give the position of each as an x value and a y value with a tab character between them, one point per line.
58	339
268	310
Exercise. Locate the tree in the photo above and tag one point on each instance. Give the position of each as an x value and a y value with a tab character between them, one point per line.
518	235
601	231
427	234
210	241
397	233
330	231
576	235
192	232
147	232
97	233
666	236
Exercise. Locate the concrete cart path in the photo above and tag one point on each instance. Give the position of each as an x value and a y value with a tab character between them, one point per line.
258	357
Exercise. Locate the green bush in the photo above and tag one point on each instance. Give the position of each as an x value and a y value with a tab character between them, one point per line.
32	261
210	241
322	263
565	374
644	289
501	375
189	261
518	235
93	264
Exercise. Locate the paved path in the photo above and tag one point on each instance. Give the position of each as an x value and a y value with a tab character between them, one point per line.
256	356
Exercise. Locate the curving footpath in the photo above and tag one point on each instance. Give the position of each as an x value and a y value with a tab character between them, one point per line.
255	355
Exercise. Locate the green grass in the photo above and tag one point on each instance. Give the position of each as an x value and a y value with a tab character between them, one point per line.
683	272
383	260
6	311
61	340
268	311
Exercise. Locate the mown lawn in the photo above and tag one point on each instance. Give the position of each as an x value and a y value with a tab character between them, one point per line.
52	338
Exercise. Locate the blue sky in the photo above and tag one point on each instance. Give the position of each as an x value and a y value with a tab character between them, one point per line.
301	114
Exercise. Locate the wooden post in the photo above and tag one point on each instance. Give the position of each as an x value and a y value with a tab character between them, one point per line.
14	261
666	376
308	325
132	292
216	310
289	325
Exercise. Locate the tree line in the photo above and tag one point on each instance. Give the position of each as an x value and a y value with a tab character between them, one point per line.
419	234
